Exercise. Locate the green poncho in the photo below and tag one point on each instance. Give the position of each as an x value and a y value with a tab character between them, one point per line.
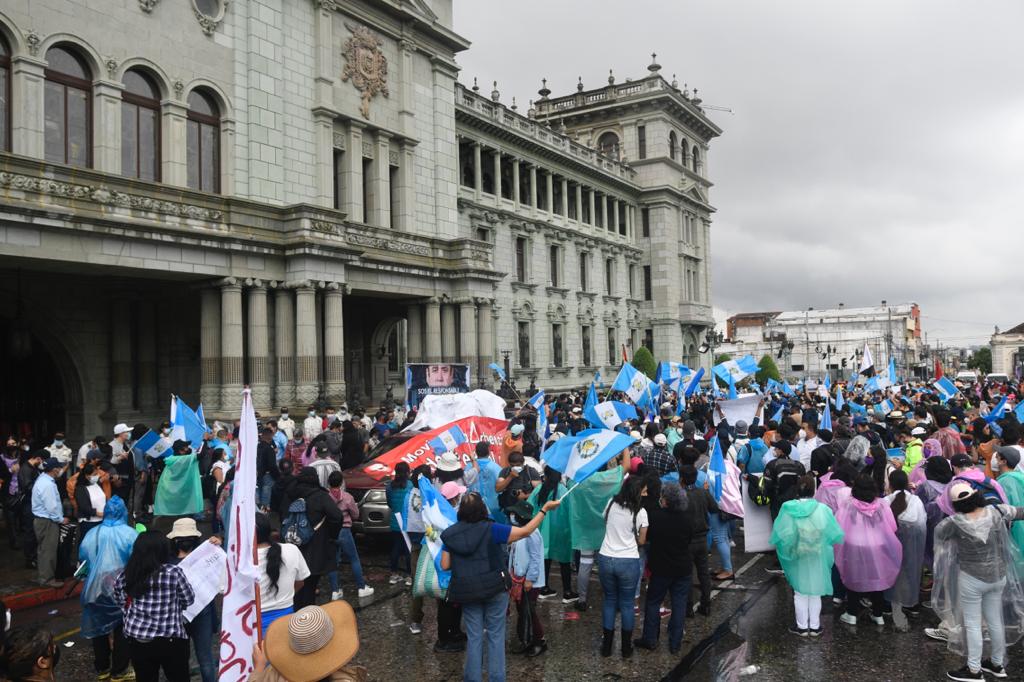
1013	486
179	491
586	508
555	528
803	535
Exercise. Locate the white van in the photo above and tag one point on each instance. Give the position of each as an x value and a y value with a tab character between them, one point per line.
997	378
967	376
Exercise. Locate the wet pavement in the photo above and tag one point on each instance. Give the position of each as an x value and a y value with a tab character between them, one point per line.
745	638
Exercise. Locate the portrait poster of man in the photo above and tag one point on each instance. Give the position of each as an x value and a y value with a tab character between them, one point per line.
425	379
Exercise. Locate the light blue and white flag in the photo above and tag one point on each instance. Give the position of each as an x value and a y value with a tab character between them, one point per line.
578	457
892	371
632	382
716	470
828	382
787	389
537	403
591	399
777	417
946	388
887	406
651	398
774	386
693	383
499	370
597	379
680	403
672	372
150	446
609	414
732	388
187	425
839	399
437	514
737	369
1019	413
996	412
826	418
859	409
447	440
872	385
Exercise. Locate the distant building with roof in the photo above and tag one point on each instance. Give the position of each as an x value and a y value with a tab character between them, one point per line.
1008	351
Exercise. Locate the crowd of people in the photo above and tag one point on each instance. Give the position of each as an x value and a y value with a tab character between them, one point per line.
910	501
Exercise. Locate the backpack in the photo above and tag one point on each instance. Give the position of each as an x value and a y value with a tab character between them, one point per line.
296	528
985	487
758	492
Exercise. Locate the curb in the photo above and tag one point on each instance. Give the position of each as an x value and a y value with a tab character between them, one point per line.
37	596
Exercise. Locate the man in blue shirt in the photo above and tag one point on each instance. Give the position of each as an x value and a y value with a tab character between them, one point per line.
481	476
280	438
48	514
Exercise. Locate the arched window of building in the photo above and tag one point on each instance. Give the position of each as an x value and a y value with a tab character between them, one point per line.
672	145
203	142
5	96
696	159
68	108
683	151
608	144
140	127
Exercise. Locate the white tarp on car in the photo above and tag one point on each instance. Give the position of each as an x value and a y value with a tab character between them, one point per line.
437	410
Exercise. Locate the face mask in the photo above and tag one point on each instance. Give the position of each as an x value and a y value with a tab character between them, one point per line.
284	415
166	431
94	479
517	469
995	465
26	448
312	414
58	443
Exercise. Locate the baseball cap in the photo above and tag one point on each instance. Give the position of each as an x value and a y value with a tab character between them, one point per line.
51	464
184	528
517	429
918	431
1010	455
577	410
960	491
451	489
121	428
660	439
859	420
961	461
741	428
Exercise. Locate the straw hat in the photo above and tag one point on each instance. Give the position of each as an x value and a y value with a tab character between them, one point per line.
310	644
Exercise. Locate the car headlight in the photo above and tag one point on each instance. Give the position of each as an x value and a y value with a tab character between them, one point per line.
376	497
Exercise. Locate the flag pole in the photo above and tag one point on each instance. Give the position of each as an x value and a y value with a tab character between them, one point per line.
255	552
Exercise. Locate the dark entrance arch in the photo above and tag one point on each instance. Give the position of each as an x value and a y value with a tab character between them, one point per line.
32	398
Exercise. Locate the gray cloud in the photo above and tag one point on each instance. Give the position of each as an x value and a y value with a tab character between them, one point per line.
877	149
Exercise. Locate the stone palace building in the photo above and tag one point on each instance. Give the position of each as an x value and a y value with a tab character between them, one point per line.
300	195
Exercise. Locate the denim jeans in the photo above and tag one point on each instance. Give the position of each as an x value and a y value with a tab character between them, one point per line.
400	557
200	631
720	534
618	581
657	587
489	617
265	486
982	600
347	549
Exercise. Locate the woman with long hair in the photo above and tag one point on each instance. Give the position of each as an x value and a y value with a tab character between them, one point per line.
912	532
282	572
557	535
90	499
153	593
870	556
618	561
977	579
396	491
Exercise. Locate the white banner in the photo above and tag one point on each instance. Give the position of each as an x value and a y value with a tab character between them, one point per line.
205	569
240	619
743	408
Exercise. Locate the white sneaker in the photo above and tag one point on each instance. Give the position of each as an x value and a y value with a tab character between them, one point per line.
848	619
365	592
394	579
415	628
878	620
408	582
937	633
336	595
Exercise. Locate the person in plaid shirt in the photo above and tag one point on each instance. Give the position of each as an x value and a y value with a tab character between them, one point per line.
658	458
152	593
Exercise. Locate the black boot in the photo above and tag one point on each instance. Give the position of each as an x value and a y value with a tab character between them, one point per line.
606	643
627	643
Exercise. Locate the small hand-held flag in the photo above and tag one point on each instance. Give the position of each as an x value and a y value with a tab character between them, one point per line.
499	370
447	440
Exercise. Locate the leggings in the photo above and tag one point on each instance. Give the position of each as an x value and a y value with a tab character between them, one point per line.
566	571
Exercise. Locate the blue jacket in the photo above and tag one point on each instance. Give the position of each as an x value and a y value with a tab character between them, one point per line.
528	559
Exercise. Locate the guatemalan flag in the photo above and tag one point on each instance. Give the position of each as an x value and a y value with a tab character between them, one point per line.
591	399
537	403
437	514
499	370
671	372
997	412
578	457
693	383
945	388
839	398
826	418
152	446
447	440
737	369
632	382
609	414
777	417
724	482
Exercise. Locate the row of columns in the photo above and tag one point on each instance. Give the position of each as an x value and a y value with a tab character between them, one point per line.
432	335
609	204
232	355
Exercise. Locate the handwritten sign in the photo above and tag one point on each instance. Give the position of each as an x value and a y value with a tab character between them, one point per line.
205	569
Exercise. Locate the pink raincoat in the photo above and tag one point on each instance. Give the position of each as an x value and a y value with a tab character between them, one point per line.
930	448
870	557
832	492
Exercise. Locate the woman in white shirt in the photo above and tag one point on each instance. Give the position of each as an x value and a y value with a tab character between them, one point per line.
282	571
912	532
220	468
90	499
619	561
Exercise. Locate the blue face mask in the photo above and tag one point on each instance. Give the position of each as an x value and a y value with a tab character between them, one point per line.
58	443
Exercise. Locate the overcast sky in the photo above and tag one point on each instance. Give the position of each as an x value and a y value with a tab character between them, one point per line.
876	150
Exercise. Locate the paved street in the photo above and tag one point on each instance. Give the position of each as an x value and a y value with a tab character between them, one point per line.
747	628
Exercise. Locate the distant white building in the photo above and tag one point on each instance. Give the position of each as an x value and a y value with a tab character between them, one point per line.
811	343
1008	351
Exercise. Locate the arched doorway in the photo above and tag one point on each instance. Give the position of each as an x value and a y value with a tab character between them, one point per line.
32	401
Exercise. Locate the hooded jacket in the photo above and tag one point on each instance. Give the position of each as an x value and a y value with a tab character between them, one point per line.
804	534
477	561
319	552
869	558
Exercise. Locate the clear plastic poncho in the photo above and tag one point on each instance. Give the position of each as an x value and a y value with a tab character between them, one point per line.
989	533
803	535
857	451
106	548
869	558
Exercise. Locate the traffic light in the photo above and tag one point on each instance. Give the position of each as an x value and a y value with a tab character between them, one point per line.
844	363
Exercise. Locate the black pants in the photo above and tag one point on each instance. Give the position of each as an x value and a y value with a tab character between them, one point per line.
699	555
449	622
566	570
536	629
163	653
853	602
113	659
306	596
28	533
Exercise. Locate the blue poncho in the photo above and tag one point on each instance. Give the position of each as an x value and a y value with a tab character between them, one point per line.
106	548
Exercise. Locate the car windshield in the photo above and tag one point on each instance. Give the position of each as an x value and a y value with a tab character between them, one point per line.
388	444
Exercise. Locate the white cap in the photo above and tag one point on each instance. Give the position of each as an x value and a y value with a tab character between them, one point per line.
918	431
121	428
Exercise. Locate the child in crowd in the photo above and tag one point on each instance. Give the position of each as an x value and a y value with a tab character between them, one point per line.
526	561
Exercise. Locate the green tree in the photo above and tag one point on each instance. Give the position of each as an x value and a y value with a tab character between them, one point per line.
767	369
719	359
981	360
644	361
